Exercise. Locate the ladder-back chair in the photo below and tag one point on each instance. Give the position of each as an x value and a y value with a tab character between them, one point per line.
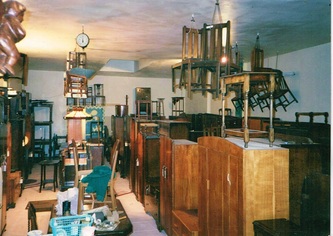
110	196
282	94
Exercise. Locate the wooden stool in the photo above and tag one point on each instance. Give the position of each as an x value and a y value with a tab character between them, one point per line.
43	179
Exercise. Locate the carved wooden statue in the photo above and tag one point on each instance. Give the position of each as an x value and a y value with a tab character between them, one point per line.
11	32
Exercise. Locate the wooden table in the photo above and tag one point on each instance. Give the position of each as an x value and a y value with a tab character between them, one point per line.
44	206
246	79
125	226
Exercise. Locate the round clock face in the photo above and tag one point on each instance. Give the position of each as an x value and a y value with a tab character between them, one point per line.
82	40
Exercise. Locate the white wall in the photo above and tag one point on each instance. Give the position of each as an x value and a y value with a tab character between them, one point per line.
48	85
311	85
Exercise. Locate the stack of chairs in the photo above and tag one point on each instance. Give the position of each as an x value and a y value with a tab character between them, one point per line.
259	94
206	55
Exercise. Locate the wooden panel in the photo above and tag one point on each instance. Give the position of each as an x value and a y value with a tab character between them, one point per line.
13	188
185	181
244	184
152	159
166	183
303	160
96	154
204	189
74	129
139	169
174	129
185	223
179	181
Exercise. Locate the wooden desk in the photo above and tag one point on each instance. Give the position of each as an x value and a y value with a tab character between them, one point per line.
246	79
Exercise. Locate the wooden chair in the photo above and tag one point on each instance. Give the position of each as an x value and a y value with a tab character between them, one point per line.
257	59
82	186
75	85
78	173
207	50
238	100
114	148
39	149
282	94
110	196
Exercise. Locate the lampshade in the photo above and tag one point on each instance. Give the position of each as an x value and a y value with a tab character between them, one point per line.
78	113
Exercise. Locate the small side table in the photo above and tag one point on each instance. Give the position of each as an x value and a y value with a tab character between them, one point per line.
43	179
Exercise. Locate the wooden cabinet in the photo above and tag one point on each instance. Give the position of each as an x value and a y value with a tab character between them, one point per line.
166	183
179	183
175	129
147	162
304	159
239	185
121	130
135	126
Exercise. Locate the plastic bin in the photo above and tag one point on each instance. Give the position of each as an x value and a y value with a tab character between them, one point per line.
70	225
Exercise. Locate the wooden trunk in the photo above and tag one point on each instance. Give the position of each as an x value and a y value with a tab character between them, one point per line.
239	185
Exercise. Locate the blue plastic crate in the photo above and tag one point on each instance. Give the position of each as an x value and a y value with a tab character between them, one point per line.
70	225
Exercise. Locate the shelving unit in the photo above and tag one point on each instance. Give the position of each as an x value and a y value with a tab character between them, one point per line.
42	124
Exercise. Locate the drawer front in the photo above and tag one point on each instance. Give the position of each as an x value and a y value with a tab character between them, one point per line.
178	229
176	226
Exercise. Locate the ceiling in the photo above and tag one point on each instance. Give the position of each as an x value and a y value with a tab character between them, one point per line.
149	31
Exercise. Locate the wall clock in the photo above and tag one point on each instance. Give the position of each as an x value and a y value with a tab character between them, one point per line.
82	40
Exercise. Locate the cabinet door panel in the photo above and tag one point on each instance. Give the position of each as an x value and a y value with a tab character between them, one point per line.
166	183
215	189
203	184
235	196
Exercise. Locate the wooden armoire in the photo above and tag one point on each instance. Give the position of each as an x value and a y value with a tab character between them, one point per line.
178	185
239	185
